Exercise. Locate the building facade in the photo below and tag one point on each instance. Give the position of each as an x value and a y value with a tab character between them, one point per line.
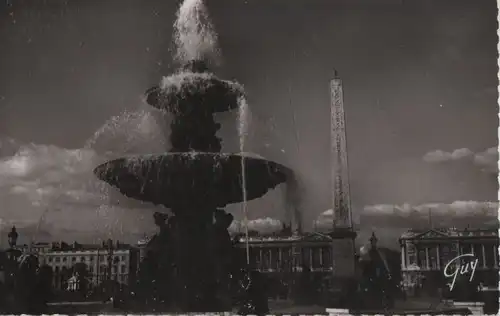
331	253
104	262
426	254
288	261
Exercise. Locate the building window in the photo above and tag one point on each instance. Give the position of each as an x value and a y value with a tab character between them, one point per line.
266	258
49	259
82	259
465	248
57	259
478	253
316	263
286	258
258	261
73	259
276	263
495	250
454	250
254	256
489	253
444	255
412	255
433	257
327	257
305	259
422	258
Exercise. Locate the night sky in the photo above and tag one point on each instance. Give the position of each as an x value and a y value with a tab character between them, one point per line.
420	92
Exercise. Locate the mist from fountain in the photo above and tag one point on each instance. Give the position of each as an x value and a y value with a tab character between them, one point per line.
130	133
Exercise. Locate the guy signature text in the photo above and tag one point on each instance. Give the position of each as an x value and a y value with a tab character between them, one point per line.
452	270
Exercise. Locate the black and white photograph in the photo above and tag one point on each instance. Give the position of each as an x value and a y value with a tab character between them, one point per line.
249	157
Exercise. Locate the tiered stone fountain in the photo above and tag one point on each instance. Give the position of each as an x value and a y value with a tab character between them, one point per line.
194	180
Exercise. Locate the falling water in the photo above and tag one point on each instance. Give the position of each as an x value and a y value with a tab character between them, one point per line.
292	200
242	133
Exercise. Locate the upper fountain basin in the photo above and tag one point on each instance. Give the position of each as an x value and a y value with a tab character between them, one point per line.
188	91
184	181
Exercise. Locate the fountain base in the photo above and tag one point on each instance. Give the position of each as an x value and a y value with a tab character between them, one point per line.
189	264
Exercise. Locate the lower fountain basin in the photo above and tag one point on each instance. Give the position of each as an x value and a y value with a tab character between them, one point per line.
191	180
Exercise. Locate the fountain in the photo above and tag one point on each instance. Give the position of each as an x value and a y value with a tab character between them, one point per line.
194	179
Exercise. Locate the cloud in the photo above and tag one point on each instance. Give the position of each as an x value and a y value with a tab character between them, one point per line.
45	173
456	209
265	224
324	220
443	156
487	160
44	185
261	225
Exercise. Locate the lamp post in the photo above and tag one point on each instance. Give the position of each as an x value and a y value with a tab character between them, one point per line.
12	255
12	237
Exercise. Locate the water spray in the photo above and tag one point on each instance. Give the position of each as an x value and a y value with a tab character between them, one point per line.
194	34
242	132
